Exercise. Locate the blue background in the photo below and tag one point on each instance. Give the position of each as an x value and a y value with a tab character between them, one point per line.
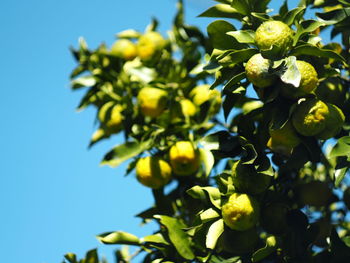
54	196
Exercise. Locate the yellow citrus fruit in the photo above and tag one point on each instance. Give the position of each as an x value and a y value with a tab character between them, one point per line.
314	193
275	33
332	91
153	172
184	158
334	123
124	48
274	218
111	116
308	81
309	117
152	101
283	140
241	212
187	108
238	242
257	71
149	44
203	93
247	180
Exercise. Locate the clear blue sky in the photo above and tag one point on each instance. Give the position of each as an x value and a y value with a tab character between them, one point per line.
54	196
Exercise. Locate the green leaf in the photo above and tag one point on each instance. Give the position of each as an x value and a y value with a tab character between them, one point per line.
335	16
250	153
129	33
290	17
215	231
221	10
241	6
85	81
177	236
156	238
91	256
311	50
339	175
217	32
71	257
341	148
305	27
230	58
208	215
243	36
119	237
265	251
210	194
208	159
124	152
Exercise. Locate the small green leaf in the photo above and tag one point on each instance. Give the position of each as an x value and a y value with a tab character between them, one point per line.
119	237
210	194
91	256
305	27
231	58
339	175
124	152
156	238
221	10
71	257
241	6
290	17
85	81
341	148
177	236
208	159
335	16
311	50
264	252
217	32
215	231
129	33
208	215
243	36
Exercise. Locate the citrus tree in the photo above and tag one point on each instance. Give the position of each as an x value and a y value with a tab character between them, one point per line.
241	134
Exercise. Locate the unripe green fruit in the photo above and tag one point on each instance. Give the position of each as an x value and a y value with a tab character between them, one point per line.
274	33
257	71
238	242
309	117
152	101
334	123
241	212
153	172
125	49
184	158
283	140
314	193
247	180
274	218
308	81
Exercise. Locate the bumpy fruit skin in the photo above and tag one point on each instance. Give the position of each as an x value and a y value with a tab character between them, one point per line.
124	48
309	117
283	140
111	116
247	180
238	242
184	158
334	123
275	33
274	218
203	93
308	81
257	71
316	118
241	212
149	44
332	91
152	101
153	172
314	193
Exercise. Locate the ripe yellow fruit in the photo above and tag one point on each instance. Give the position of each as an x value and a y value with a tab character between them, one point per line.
153	172
111	116
241	212
283	140
275	33
238	242
124	48
316	118
184	158
203	93
152	101
314	193
149	44
308	82
257	71
188	109
274	218
247	180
